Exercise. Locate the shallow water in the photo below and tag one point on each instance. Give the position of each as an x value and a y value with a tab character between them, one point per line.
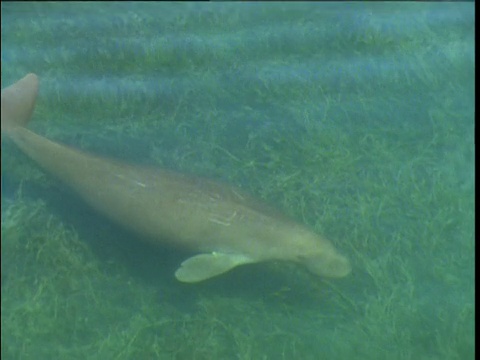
356	119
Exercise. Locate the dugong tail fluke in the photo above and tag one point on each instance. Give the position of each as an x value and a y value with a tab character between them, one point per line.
18	102
224	226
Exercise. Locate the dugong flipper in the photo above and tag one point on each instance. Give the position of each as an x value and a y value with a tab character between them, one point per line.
205	266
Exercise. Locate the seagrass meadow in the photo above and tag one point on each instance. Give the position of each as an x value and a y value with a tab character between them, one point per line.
356	119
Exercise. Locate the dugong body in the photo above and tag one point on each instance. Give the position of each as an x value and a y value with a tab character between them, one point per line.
224	225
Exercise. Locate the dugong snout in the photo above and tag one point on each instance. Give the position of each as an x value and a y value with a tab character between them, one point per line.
328	264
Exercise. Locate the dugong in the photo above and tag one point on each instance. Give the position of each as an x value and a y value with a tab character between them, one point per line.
224	226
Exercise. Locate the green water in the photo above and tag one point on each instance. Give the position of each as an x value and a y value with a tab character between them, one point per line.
356	119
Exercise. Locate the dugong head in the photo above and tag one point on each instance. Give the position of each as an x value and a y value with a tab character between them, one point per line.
319	255
328	265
